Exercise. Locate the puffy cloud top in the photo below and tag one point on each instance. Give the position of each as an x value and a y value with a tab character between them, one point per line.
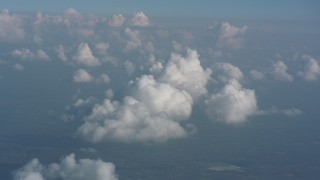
229	71
82	76
231	35
27	54
187	73
280	72
116	20
84	56
152	114
311	71
68	168
233	104
140	19
11	27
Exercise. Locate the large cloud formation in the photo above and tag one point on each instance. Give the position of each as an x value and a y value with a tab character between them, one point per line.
157	109
233	104
152	114
68	169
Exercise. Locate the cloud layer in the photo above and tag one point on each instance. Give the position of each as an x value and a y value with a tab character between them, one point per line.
68	168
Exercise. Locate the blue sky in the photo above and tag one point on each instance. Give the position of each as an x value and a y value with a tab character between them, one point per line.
282	9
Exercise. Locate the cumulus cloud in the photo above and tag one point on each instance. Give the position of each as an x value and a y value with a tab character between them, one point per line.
255	74
18	66
311	70
134	39
231	36
85	57
61	53
140	19
102	47
129	67
228	71
11	29
187	73
68	168
233	104
280	72
82	76
275	110
154	113
103	78
116	20
71	15
27	54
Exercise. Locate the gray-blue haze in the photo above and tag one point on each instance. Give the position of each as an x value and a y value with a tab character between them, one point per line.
265	147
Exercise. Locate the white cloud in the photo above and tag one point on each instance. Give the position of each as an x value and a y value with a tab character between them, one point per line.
274	110
84	56
61	53
83	102
27	54
103	78
116	20
134	39
42	55
231	35
229	71
109	94
11	29
255	74
102	47
140	19
280	72
71	16
18	66
82	76
153	114
156	67
187	73
68	168
129	66
311	71
233	104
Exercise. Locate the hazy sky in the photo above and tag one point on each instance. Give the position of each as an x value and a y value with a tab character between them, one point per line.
154	89
282	9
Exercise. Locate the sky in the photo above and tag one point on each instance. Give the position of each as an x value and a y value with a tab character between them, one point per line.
107	90
261	9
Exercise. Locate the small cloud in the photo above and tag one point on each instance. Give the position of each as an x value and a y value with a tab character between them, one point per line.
134	39
287	112
140	19
18	66
27	54
279	72
255	74
311	70
85	57
231	36
11	29
116	20
229	71
82	76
